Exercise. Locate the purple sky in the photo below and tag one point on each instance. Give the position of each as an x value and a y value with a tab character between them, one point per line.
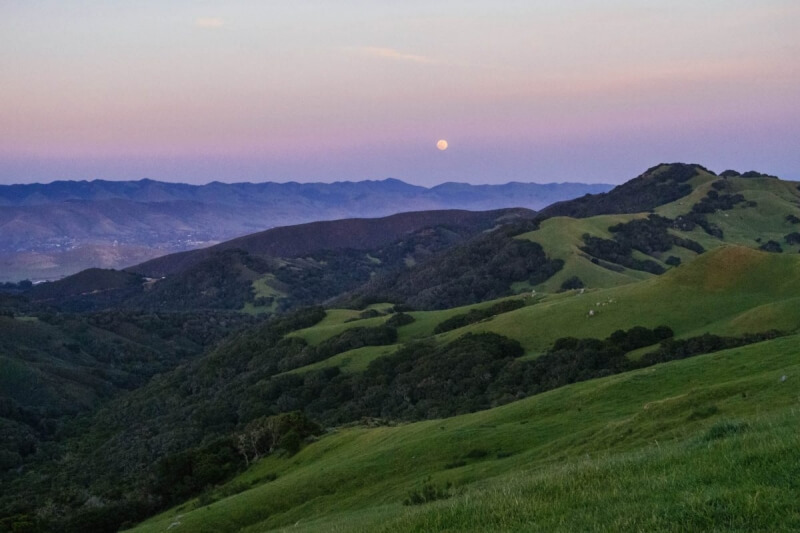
591	91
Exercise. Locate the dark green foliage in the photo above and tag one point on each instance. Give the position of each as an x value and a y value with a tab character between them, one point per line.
711	203
714	202
106	518
349	339
658	185
476	315
428	493
182	475
223	281
325	274
619	253
730	174
572	360
322	275
572	283
399	319
672	349
67	364
792	219
647	235
673	261
291	442
482	269
771	246
792	238
725	428
267	434
756	174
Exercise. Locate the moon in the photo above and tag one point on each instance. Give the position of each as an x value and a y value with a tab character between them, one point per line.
441	144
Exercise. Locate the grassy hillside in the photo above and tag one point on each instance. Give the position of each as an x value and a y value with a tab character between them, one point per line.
718	292
703	443
765	218
561	239
733	290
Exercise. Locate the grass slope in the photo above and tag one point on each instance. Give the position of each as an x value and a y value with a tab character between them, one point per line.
708	442
561	238
717	293
733	290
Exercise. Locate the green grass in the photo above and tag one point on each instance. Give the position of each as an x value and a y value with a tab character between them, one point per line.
704	443
336	321
561	238
715	293
263	288
350	361
732	290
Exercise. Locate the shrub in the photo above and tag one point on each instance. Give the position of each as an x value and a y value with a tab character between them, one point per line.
792	238
725	428
771	246
428	493
572	283
476	454
399	319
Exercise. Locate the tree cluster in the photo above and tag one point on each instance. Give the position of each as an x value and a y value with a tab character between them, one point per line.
476	315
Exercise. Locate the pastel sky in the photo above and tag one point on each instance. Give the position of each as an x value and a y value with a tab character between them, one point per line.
312	90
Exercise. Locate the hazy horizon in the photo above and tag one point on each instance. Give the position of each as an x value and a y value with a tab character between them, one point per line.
591	92
320	182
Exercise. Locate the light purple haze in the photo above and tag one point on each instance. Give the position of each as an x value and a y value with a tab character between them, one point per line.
317	90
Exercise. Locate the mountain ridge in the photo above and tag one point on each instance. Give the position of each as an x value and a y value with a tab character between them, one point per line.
51	230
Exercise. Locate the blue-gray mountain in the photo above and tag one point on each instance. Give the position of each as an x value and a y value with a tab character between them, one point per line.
55	229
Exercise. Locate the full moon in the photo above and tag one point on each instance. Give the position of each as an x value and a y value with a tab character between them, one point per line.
441	144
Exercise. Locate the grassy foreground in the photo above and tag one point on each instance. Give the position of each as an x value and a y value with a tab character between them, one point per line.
704	443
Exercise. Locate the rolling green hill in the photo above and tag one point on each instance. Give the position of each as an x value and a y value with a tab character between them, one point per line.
703	443
730	288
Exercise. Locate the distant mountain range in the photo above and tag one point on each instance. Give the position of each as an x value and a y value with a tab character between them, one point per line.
51	230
